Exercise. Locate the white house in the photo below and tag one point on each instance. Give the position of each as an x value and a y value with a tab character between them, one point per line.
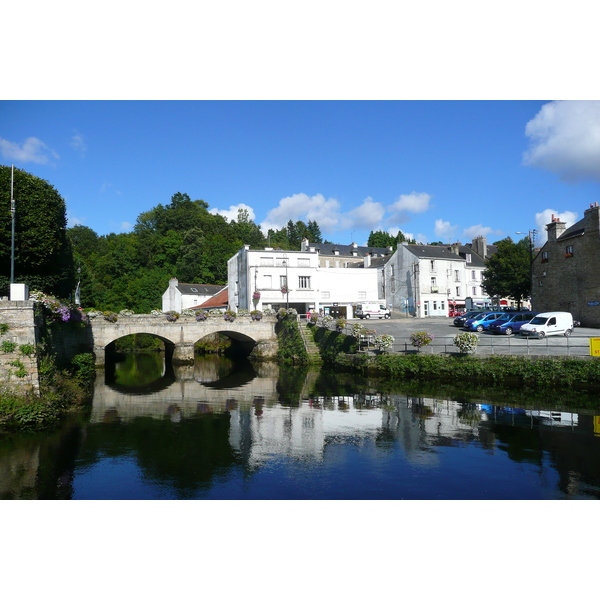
304	279
179	296
425	280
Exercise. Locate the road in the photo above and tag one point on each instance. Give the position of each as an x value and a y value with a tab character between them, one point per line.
443	331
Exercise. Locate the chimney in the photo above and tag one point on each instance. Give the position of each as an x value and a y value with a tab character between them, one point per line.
304	246
367	260
555	229
480	246
592	220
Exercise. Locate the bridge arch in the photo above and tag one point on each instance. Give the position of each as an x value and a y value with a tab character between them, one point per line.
257	338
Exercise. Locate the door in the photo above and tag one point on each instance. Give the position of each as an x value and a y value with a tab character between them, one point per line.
426	308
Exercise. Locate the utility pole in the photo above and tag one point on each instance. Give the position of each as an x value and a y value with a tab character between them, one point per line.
531	236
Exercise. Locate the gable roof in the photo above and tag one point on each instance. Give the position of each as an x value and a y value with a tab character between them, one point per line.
220	299
201	289
575	230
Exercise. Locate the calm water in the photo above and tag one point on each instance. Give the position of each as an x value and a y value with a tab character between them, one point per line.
225	430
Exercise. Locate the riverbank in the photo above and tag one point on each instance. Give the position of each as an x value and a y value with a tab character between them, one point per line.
556	372
61	392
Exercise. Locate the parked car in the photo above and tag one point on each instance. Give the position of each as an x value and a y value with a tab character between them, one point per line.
549	323
482	321
511	322
460	320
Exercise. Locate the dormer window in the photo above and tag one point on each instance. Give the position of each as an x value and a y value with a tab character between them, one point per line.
468	258
193	290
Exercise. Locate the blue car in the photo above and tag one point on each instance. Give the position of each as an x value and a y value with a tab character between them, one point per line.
510	323
482	321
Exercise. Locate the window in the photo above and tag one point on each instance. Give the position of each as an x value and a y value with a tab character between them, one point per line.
474	291
193	290
473	275
433	281
544	257
304	282
282	281
325	295
442	305
362	295
456	275
468	256
432	263
304	262
266	261
568	251
435	305
457	291
282	262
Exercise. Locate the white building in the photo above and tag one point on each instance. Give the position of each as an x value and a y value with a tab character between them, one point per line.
179	296
424	280
306	280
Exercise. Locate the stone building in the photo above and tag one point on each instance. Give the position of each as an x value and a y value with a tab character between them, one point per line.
565	272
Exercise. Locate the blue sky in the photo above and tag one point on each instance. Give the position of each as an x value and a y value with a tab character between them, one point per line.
437	170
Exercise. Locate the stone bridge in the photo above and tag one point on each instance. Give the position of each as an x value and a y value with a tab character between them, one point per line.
257	338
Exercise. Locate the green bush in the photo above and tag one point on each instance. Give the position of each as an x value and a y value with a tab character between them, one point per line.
27	349
8	346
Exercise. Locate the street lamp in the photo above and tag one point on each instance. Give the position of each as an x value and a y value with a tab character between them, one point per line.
531	235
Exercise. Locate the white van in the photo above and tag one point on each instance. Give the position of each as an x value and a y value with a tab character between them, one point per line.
371	310
549	323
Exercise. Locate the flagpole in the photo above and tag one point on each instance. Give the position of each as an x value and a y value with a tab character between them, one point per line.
12	210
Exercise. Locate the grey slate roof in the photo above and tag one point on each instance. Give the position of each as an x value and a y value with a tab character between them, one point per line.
445	253
195	289
347	249
575	230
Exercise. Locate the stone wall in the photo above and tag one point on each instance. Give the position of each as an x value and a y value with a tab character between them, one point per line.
18	372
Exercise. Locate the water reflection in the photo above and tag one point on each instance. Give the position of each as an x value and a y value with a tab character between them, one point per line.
296	434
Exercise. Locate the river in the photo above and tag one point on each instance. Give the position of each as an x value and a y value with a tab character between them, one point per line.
224	429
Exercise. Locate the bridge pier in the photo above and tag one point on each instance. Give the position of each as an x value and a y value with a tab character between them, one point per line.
183	354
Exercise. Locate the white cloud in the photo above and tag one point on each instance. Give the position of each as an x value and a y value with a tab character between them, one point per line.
420	237
477	230
125	226
366	216
330	217
301	207
444	231
32	150
543	218
412	203
231	214
565	139
77	143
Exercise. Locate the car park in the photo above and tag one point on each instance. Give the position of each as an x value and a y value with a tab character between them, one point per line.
511	322
482	321
460	320
549	323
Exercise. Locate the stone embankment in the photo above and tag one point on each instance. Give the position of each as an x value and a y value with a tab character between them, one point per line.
18	364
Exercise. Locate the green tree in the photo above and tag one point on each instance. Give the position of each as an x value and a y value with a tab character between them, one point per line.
247	231
43	253
314	233
508	271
